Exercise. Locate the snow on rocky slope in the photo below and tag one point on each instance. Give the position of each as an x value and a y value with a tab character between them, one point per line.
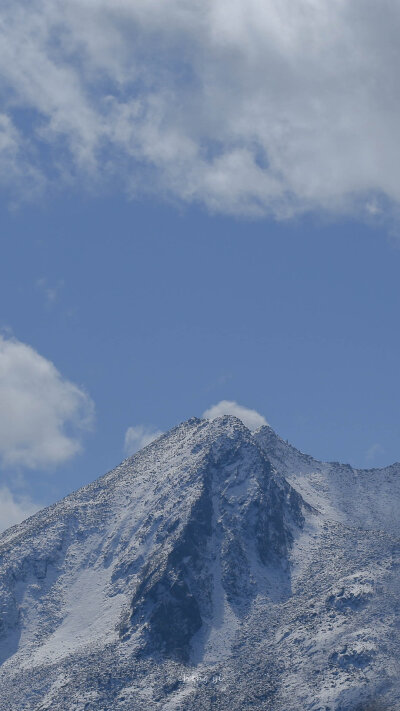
366	498
215	569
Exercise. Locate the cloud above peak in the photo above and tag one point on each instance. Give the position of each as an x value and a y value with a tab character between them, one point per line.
42	415
272	108
251	418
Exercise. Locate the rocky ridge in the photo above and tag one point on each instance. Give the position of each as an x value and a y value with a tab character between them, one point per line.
214	569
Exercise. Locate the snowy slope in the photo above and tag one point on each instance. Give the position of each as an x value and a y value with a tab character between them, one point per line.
215	569
368	498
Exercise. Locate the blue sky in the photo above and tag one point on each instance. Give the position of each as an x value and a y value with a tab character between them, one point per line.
215	220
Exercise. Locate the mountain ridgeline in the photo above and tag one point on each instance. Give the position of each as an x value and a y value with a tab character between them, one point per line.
215	569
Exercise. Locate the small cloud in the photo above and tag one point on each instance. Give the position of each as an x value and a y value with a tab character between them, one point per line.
50	292
14	509
138	437
373	452
251	418
42	415
373	208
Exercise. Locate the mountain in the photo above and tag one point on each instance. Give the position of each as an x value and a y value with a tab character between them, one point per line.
215	569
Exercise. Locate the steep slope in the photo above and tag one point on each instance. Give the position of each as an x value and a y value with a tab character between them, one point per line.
215	569
368	498
158	560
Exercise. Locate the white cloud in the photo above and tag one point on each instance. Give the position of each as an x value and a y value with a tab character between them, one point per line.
246	106
138	437
251	418
13	509
42	415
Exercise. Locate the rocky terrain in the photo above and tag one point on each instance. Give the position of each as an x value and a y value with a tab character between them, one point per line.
215	569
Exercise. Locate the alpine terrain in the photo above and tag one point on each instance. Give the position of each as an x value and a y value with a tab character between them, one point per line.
216	569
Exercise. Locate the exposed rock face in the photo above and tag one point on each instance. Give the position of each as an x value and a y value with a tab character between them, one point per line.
214	569
242	517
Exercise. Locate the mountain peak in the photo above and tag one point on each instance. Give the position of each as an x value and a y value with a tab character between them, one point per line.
240	520
201	498
214	568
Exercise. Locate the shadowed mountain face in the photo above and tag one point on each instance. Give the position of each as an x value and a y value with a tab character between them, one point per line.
214	569
242	519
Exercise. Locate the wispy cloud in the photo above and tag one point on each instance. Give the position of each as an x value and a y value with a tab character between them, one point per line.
248	107
251	418
42	415
49	289
373	453
139	436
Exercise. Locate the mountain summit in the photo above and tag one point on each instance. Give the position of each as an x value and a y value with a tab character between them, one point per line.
215	569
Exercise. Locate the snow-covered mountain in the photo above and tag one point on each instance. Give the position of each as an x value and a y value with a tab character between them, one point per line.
215	569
